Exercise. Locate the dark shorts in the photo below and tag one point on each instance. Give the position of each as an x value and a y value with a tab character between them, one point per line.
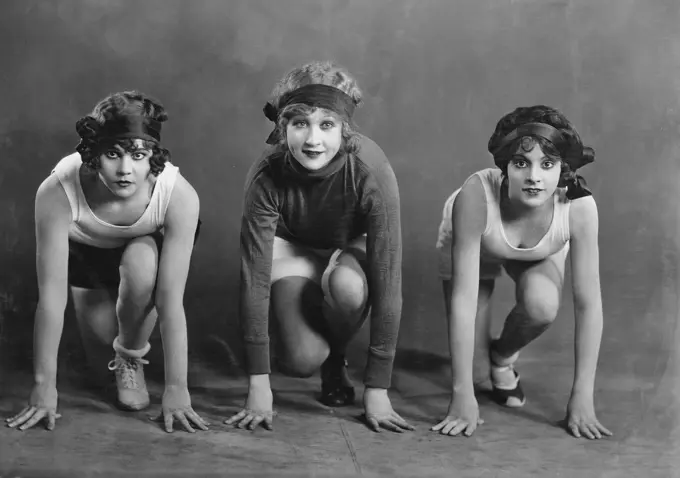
92	267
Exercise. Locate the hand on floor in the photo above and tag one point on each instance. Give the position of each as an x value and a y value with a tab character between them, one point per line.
581	419
379	412
177	406
259	409
463	416
41	405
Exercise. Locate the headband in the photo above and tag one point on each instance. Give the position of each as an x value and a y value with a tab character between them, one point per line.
573	153
133	126
126	126
316	96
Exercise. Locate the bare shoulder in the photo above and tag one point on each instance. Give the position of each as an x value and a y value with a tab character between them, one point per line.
184	202
583	216
469	208
51	201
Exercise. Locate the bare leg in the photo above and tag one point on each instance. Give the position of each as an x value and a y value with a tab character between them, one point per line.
95	311
136	320
538	293
135	306
538	290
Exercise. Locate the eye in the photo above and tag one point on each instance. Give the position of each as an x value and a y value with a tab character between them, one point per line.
519	163
140	155
299	123
328	124
548	164
112	154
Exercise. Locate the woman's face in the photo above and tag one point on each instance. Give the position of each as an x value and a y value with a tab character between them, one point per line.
532	176
122	170
314	138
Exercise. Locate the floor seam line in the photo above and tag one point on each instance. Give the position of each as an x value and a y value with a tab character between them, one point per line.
350	447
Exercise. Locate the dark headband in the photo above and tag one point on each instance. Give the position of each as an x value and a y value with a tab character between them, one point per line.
572	152
316	96
532	129
132	126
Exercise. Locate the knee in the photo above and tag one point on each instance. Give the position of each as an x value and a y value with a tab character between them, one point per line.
348	289
540	299
304	361
138	270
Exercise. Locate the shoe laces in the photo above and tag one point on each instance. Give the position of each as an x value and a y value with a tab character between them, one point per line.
126	368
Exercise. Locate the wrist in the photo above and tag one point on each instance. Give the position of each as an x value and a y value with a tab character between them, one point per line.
175	380
463	388
259	381
581	393
45	379
375	391
176	386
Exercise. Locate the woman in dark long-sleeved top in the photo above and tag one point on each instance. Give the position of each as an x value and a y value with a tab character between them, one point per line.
320	248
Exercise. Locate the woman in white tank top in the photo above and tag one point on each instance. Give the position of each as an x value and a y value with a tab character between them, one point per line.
523	216
117	223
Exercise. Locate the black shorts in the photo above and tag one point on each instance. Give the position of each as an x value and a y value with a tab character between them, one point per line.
92	267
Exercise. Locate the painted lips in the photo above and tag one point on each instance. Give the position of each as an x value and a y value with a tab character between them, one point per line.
312	154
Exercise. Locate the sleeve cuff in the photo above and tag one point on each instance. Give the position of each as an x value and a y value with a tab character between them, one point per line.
257	358
378	373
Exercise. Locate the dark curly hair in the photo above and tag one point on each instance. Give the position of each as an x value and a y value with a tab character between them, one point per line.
91	128
572	155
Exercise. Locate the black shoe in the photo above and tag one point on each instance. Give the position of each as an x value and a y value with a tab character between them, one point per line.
334	392
509	393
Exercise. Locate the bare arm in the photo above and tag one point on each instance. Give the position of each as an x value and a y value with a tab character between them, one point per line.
469	221
583	224
52	220
181	220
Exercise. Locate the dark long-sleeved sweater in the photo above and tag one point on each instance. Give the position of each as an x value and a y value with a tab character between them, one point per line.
326	209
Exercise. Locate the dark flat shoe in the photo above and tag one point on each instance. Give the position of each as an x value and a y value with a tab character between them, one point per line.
334	393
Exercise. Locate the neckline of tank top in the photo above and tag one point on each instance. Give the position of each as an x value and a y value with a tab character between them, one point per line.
543	238
81	193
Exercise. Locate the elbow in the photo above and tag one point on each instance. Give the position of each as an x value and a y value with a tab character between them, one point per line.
53	304
589	308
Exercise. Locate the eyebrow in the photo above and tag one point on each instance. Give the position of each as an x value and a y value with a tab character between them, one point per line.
305	117
519	157
132	149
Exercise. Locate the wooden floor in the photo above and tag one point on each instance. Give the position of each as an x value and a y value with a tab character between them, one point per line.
637	397
95	439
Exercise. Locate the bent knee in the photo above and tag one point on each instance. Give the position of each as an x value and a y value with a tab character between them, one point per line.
304	362
348	289
138	271
540	298
139	262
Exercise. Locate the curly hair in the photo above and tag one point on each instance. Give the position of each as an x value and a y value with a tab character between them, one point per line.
538	114
317	72
127	103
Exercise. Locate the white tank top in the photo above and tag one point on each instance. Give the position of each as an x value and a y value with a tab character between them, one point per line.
494	245
88	229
